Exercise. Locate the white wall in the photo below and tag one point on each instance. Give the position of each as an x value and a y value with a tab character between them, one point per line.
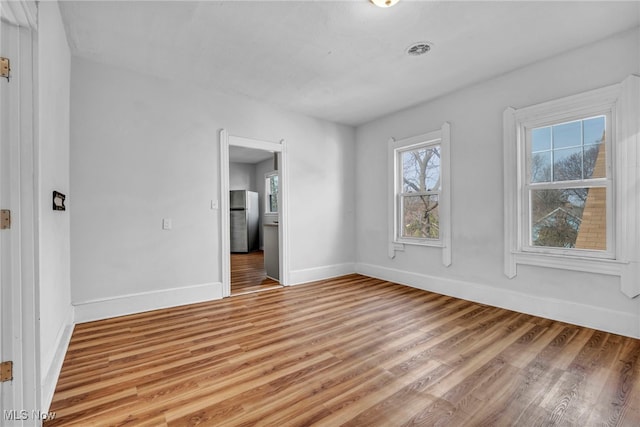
242	176
143	149
475	114
55	311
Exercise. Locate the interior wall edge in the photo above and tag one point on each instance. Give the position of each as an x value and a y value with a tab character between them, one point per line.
550	308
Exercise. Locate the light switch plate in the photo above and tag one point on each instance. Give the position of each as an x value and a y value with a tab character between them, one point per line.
166	223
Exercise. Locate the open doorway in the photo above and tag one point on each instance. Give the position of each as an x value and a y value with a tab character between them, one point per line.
253	204
253	215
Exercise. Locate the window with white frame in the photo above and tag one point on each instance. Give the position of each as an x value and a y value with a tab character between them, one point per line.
271	192
570	200
567	186
419	192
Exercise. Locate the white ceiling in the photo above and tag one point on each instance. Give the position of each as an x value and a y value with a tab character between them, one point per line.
342	61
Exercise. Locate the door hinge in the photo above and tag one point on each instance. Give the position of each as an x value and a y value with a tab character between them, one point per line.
5	68
5	219
6	371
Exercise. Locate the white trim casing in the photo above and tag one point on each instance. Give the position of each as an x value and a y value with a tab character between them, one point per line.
511	184
445	196
283	209
20	300
395	244
321	273
52	372
392	247
122	305
283	215
623	102
627	176
551	308
20	262
225	233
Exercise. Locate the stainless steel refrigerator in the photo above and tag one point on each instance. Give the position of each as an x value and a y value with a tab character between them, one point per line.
244	220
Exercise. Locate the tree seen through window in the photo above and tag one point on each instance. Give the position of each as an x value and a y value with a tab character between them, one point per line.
421	186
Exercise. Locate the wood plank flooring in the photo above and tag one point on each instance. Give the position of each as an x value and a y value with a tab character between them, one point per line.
352	351
248	274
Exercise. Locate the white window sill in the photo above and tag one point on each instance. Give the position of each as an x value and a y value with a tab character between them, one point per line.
628	271
590	265
399	246
432	243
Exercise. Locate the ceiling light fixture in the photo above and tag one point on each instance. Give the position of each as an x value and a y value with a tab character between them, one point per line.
384	3
419	48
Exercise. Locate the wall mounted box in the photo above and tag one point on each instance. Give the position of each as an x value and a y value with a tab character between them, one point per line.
58	201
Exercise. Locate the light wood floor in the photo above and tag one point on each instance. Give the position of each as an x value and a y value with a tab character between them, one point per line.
351	351
248	274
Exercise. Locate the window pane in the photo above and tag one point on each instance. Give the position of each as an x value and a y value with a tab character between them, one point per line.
567	135
578	151
421	170
541	139
569	218
595	163
420	217
274	193
271	193
567	164
594	130
541	167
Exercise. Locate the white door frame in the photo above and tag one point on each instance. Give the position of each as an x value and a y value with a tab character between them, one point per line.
227	140
19	260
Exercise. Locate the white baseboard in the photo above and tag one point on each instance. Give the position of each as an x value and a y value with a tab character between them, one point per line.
297	277
88	311
50	379
578	314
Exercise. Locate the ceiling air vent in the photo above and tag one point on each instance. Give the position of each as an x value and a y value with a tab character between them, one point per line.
419	48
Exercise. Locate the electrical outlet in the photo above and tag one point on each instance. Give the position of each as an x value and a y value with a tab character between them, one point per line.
166	223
